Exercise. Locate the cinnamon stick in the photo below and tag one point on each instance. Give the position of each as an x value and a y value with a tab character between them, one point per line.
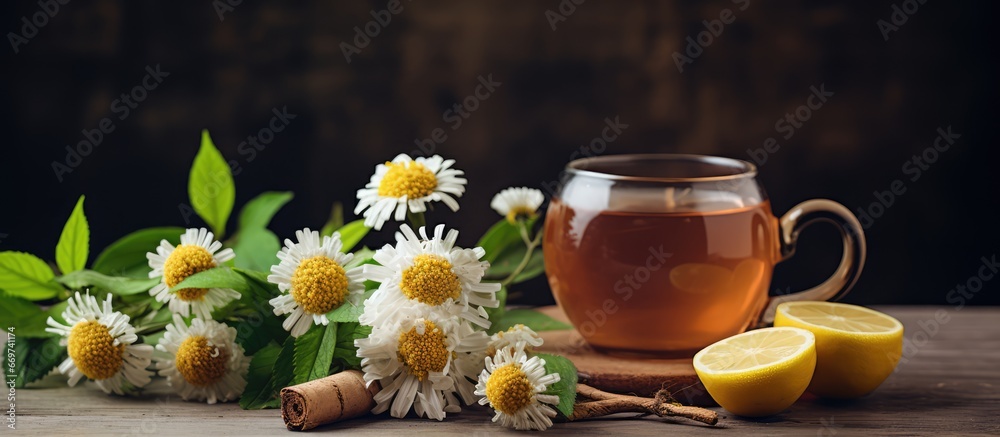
604	403
337	397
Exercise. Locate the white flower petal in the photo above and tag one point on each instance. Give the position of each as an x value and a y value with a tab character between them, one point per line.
135	358
378	209
228	387
536	415
402	390
309	244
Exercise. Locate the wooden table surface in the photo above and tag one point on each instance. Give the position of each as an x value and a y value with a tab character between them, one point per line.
947	383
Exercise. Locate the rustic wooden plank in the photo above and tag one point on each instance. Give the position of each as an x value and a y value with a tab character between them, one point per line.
949	384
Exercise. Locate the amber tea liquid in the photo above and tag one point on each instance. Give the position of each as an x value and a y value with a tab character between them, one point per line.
654	282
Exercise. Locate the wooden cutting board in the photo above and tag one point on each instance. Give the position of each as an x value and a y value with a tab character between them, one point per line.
641	377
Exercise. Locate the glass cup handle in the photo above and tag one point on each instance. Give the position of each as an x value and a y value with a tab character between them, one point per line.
837	285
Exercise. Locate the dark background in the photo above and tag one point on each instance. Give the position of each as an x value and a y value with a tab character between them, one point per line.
606	59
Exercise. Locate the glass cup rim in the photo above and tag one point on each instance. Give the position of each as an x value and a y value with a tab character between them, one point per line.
579	167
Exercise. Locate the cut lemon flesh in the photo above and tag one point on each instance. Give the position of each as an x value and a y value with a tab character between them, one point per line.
758	373
856	348
839	316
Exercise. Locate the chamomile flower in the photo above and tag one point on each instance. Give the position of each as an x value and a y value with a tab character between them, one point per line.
512	384
422	363
101	345
518	336
313	281
422	273
405	184
197	252
202	361
517	202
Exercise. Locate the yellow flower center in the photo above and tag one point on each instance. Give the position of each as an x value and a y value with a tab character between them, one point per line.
509	390
410	179
520	211
319	285
423	353
199	363
430	280
93	350
184	261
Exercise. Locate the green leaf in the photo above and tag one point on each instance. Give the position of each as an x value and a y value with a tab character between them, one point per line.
345	355
256	249
138	299
534	268
219	277
336	220
210	186
566	387
74	243
56	312
153	339
257	329
284	368
314	353
135	310
510	258
257	285
255	332
505	250
257	213
25	275
256	276
44	356
34	359
153	321
362	256
501	236
348	311
27	318
530	318
116	285
352	233
127	256
258	393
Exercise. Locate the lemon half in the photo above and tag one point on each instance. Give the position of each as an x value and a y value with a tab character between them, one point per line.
856	348
758	373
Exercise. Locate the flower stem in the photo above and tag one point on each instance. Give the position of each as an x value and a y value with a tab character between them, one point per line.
416	219
605	403
530	244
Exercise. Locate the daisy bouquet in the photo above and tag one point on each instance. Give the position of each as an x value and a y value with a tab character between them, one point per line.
221	316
